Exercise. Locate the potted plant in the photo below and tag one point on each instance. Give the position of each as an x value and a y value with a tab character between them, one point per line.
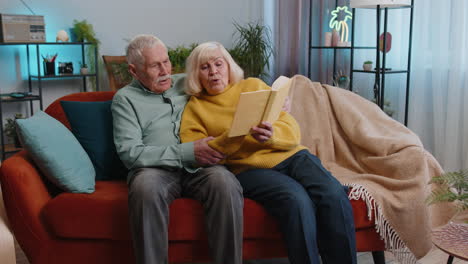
178	56
367	66
10	129
387	107
83	31
83	68
341	80
252	49
452	187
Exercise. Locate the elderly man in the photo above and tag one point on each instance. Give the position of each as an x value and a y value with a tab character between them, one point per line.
147	115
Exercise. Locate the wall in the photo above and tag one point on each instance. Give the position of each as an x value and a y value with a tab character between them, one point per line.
176	22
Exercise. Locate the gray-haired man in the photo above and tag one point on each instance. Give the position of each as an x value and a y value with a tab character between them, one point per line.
146	117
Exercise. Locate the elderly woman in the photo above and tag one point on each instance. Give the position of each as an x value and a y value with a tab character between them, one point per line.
311	206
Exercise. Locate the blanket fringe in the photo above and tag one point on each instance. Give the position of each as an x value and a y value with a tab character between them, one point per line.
387	233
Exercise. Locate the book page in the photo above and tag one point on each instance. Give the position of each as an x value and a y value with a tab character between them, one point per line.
280	90
279	82
249	112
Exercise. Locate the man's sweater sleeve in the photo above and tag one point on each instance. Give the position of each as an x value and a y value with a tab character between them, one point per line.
134	153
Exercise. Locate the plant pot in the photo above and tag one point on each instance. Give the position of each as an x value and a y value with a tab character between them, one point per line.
367	66
84	71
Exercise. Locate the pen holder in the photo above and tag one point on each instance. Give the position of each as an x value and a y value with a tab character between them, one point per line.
49	68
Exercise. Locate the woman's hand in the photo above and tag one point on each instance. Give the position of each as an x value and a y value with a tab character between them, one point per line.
263	132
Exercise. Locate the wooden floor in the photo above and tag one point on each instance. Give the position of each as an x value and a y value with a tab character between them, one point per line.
436	256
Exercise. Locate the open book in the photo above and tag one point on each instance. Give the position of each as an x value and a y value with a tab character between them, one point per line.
258	106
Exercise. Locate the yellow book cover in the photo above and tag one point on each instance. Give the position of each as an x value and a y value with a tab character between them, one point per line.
258	106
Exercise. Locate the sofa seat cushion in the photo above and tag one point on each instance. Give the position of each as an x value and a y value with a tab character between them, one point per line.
104	215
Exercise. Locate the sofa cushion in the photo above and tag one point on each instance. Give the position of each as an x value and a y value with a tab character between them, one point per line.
104	215
57	153
55	109
91	123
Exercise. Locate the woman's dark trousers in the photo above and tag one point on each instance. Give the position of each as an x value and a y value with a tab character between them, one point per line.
311	207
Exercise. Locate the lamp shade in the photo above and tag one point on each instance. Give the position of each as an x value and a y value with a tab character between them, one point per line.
382	3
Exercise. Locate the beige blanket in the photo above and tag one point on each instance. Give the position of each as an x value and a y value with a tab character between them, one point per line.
380	158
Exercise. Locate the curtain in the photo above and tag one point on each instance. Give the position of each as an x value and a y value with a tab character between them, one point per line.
290	36
438	110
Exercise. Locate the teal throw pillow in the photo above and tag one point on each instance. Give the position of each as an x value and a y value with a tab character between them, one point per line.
57	153
91	123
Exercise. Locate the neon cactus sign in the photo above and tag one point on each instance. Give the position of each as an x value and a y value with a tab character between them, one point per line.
335	24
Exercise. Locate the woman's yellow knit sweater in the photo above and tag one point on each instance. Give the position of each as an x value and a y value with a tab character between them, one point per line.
211	115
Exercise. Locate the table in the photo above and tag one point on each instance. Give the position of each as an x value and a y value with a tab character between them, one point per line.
453	240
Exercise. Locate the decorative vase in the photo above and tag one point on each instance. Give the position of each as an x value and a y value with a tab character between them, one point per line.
62	35
335	38
328	39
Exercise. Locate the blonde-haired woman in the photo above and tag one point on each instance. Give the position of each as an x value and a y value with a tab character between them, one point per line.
311	206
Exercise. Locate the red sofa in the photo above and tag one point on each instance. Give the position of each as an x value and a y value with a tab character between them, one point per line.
56	227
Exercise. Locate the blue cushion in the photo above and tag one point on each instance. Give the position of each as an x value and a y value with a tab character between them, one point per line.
91	123
57	153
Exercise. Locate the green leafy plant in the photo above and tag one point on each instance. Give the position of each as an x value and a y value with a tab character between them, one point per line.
84	31
179	55
252	49
121	72
368	62
387	107
453	187
10	129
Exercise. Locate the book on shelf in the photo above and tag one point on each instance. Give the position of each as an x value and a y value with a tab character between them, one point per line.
255	107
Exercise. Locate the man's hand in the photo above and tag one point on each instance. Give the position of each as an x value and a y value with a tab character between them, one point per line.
263	132
204	154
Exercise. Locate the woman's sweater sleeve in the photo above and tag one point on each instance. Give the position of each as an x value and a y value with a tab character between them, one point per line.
193	128
191	125
286	133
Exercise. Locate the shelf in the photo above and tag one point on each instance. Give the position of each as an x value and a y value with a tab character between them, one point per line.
323	47
386	72
325	62
392	8
10	148
44	43
7	99
62	76
33	49
357	47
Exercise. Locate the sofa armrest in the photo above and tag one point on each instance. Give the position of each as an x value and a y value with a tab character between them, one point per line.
24	195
